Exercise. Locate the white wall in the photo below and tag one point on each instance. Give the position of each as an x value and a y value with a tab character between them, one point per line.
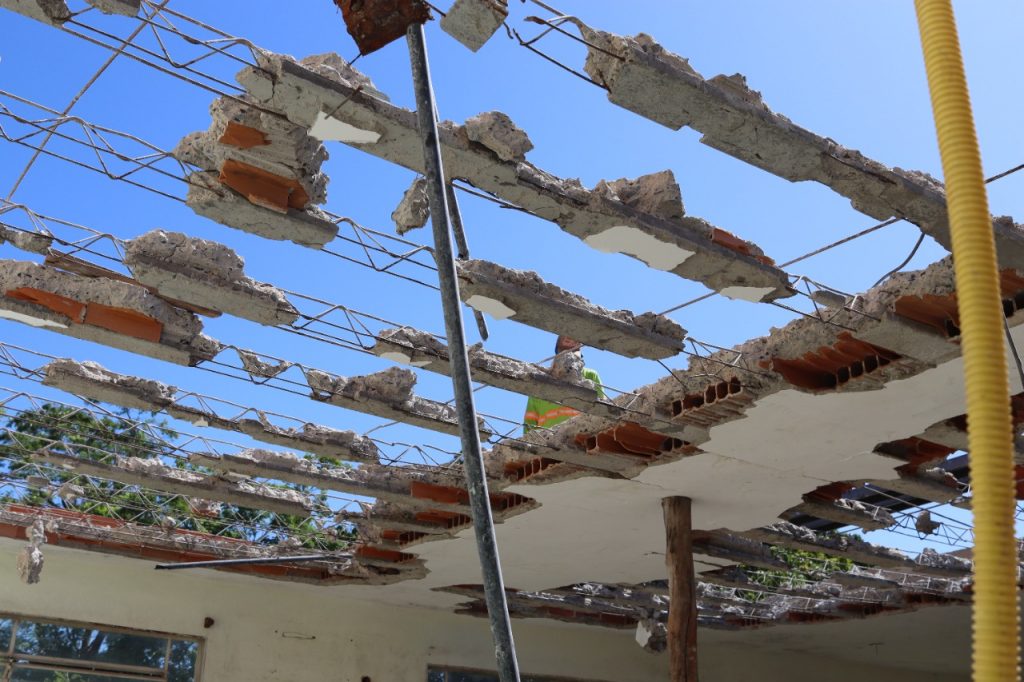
266	630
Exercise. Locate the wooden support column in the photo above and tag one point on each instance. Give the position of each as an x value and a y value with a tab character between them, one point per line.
682	612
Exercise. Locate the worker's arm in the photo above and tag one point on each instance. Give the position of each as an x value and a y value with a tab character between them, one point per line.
596	378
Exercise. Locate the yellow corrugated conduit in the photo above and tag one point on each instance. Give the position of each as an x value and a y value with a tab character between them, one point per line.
996	621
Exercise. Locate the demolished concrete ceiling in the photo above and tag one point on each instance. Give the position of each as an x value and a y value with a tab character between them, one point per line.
577	505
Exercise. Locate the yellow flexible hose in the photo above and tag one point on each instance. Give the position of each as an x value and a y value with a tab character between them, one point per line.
996	623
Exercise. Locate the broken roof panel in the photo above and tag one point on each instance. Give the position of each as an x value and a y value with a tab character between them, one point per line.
338	108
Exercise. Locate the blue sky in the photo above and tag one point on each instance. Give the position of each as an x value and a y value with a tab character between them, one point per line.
850	71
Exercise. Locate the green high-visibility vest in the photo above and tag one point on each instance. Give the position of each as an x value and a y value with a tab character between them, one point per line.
543	413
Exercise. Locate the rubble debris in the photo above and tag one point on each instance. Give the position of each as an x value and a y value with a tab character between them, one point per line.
413	210
524	296
93	381
656	193
496	131
30	558
202	272
944	564
258	367
386	394
337	109
128	8
209	198
647	79
111	312
473	22
924	524
53	12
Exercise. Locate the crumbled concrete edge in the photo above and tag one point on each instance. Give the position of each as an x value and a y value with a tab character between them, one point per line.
33	242
30	558
205	273
180	337
524	297
128	8
473	22
409	346
338	108
386	394
644	77
211	199
90	380
52	12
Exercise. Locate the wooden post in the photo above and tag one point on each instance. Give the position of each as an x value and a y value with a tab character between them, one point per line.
682	612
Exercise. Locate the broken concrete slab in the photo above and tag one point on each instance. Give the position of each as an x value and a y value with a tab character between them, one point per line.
934	485
128	8
155	475
33	242
655	193
92	381
111	312
473	22
413	347
242	138
413	210
334	108
203	272
386	394
211	199
497	132
847	512
645	78
523	296
52	12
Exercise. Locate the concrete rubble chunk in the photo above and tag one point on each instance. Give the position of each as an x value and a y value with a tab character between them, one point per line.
413	210
331	66
496	131
211	199
53	12
410	346
258	367
111	312
645	78
473	22
386	394
525	297
205	273
128	8
334	109
656	193
943	563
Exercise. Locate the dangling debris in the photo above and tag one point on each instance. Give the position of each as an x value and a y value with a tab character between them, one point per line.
413	210
30	559
924	523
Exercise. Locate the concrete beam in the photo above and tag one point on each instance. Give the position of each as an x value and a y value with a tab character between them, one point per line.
524	297
155	475
420	349
933	485
792	536
202	272
92	381
847	512
342	106
52	12
647	79
128	8
111	312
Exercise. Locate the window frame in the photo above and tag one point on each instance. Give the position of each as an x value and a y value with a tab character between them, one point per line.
9	657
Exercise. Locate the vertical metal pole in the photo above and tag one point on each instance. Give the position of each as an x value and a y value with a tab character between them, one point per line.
483	523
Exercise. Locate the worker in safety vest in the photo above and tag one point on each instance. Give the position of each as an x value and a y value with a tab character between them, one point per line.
541	413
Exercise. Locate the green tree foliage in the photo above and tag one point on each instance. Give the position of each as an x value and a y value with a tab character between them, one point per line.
80	433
